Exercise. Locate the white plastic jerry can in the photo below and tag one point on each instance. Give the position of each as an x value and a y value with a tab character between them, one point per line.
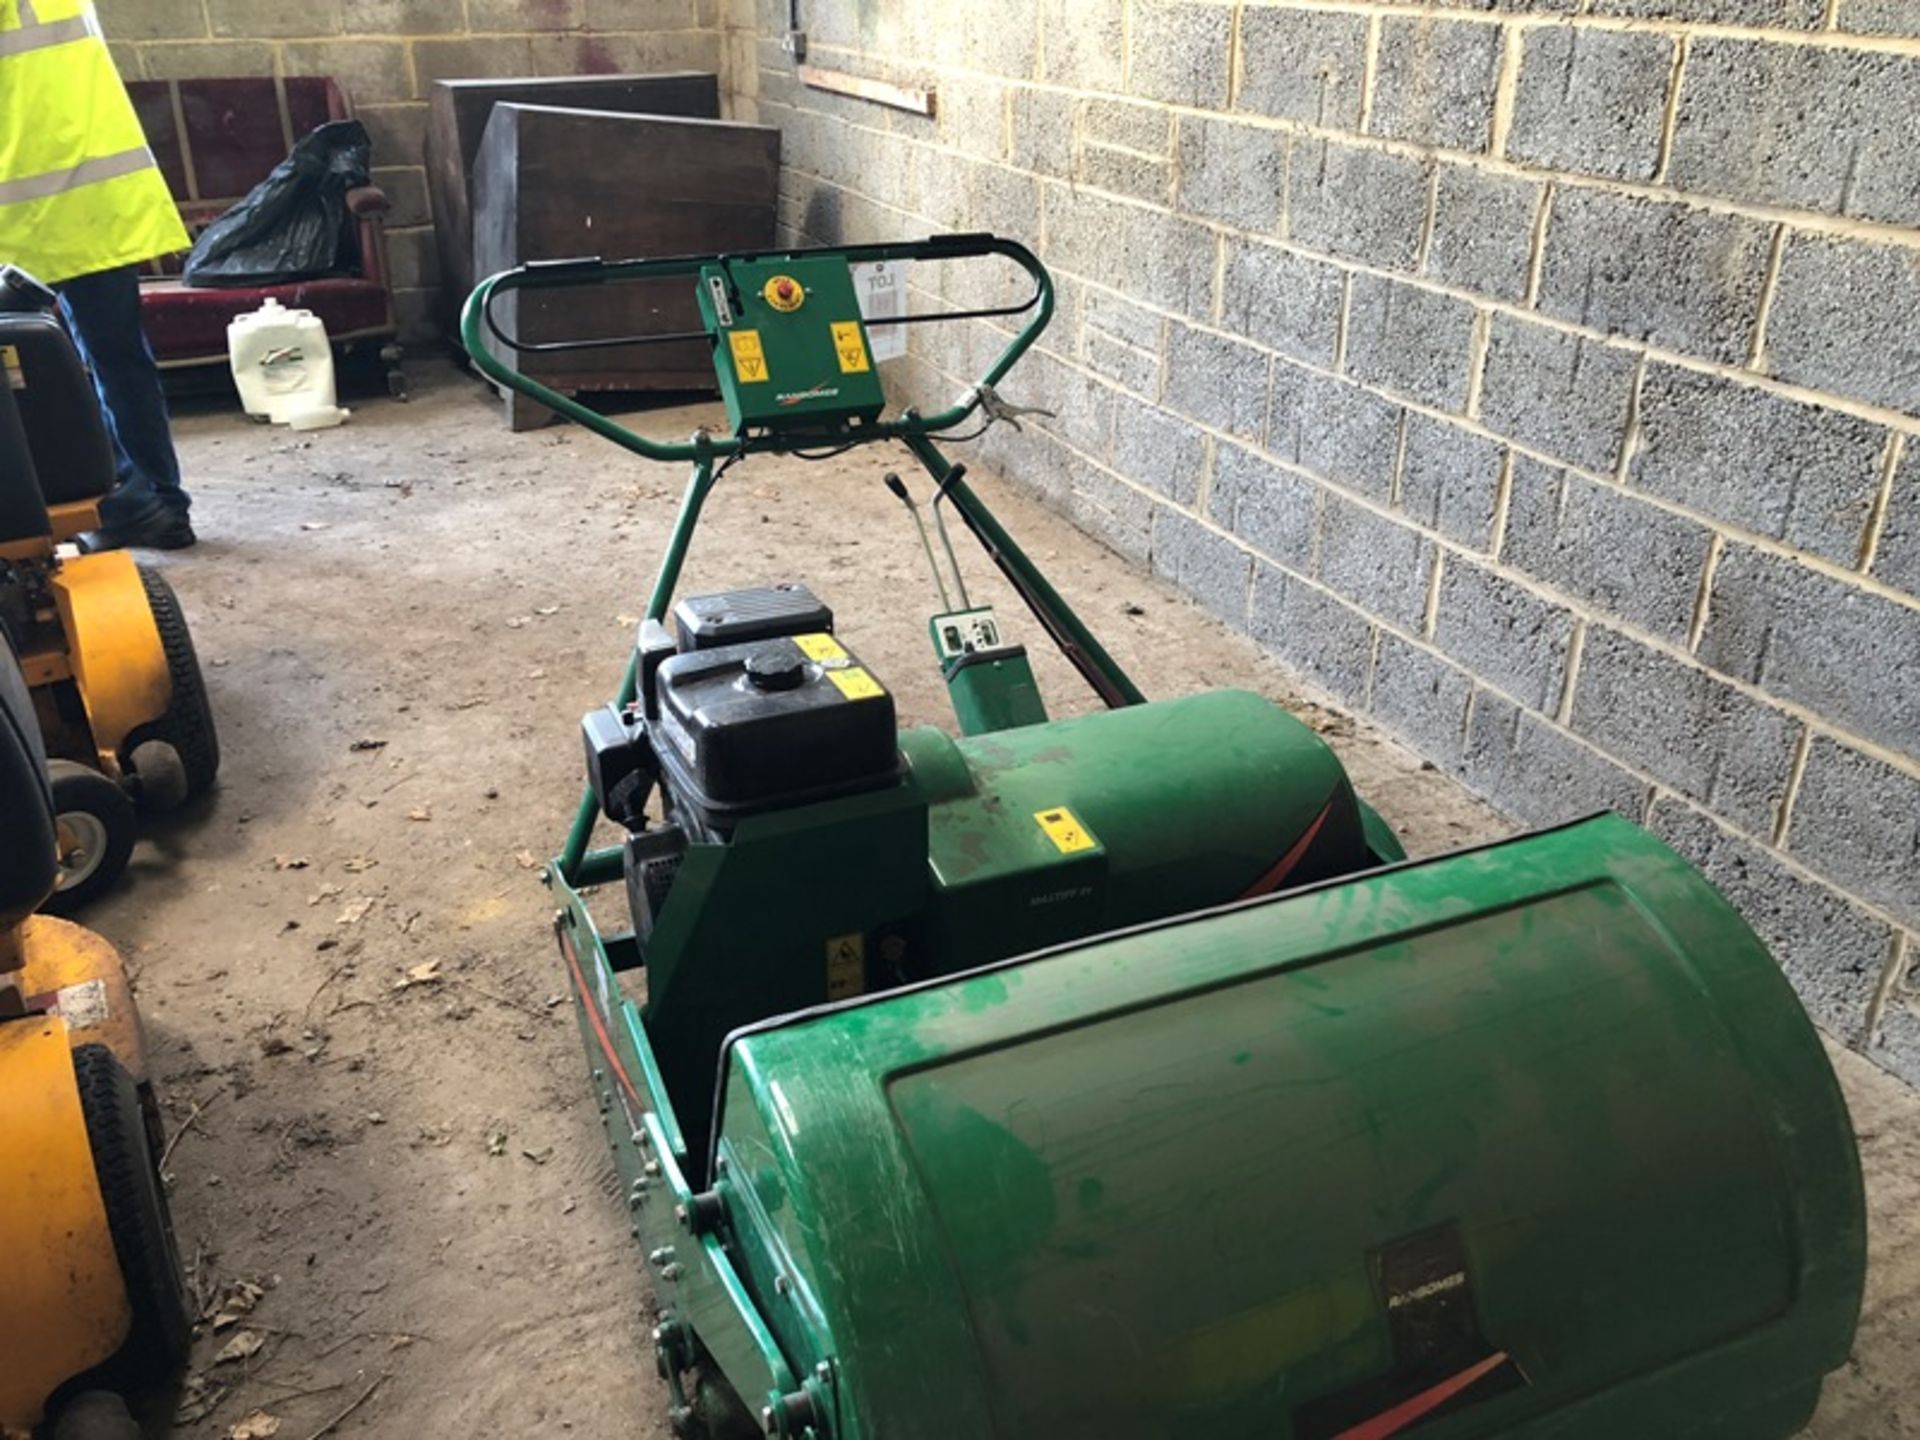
283	366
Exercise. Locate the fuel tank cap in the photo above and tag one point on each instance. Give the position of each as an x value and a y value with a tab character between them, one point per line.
776	667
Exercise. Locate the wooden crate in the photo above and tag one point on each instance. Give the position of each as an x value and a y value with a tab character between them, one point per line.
553	184
457	118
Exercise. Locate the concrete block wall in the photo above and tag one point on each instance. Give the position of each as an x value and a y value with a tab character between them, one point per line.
1537	376
387	54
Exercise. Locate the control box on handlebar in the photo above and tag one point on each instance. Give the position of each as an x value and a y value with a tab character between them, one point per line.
790	350
806	336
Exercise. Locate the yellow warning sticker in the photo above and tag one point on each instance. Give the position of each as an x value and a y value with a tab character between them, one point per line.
819	648
1068	835
10	364
749	359
846	966
855	683
851	347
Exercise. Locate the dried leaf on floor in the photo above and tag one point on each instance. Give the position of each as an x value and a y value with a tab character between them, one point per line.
627	620
257	1426
354	911
243	1345
544	610
236	1302
539	1157
496	1142
425	973
527	859
420	812
313	524
365	743
325	892
358	864
517	621
292	862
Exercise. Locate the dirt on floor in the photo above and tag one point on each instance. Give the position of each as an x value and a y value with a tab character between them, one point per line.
386	1166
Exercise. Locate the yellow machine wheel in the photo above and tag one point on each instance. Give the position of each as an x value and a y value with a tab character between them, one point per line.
128	1170
187	725
97	827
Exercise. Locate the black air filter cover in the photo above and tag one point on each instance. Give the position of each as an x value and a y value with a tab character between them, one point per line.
735	617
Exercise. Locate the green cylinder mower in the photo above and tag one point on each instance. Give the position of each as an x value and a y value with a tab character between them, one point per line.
1119	1076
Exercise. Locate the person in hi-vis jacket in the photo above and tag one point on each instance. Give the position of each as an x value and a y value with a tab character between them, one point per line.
82	205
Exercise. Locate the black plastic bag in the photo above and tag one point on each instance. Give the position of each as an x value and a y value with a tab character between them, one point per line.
293	224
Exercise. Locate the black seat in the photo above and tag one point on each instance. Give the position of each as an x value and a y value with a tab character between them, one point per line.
29	853
59	410
23	510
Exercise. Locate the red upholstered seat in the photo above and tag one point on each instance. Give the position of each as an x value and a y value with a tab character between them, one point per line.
215	140
183	322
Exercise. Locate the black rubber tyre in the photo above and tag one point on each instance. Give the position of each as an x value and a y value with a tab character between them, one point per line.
188	724
99	815
95	1415
129	1174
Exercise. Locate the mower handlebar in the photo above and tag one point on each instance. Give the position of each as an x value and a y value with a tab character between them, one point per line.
477	322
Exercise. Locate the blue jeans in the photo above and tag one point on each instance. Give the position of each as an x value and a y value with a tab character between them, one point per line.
103	313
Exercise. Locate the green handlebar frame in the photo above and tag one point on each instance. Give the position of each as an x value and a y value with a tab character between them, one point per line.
561	274
708	453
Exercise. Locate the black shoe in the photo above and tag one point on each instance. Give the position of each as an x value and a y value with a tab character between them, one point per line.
171	531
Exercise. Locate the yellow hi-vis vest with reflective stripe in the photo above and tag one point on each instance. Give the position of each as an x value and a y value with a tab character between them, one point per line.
79	190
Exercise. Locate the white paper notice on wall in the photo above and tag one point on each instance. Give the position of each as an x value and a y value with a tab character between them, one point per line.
882	288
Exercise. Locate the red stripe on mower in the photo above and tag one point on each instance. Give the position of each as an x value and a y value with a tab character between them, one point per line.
1283	867
593	1019
1411	1412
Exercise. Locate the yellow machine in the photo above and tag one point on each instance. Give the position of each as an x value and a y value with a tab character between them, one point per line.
105	649
91	1294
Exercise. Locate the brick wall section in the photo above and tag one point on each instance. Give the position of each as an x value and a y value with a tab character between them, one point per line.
387	54
1537	376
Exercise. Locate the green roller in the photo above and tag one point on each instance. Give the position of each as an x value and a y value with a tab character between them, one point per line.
1119	1076
1541	1120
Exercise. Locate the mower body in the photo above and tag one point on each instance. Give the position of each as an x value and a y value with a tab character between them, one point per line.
85	636
1118	1076
63	1303
1095	1078
91	1283
101	641
64	1309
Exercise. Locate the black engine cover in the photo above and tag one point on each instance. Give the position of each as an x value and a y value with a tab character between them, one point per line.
748	728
